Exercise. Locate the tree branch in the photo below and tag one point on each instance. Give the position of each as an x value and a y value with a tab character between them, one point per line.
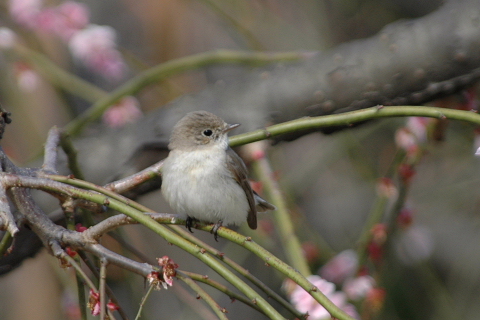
408	62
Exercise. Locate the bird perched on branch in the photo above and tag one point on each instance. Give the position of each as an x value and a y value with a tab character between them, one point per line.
204	179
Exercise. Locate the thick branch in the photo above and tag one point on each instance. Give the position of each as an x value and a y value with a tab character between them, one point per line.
408	62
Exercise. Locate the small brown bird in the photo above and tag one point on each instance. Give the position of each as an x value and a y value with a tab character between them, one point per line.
204	179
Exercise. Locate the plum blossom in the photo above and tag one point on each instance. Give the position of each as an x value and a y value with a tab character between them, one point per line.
125	111
25	12
27	79
412	135
168	269
64	20
91	44
418	127
357	288
405	139
95	46
304	302
94	303
153	279
386	188
340	267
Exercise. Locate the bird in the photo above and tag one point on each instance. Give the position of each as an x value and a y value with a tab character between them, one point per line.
203	179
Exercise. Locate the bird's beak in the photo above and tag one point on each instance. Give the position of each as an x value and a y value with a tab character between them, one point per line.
230	127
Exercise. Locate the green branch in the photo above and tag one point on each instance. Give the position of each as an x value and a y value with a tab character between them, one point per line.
186	235
220	287
352	117
281	266
59	77
164	232
238	268
170	68
219	311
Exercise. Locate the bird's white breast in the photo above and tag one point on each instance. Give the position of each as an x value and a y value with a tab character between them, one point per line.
198	184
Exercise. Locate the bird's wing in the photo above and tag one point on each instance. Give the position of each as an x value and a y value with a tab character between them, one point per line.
239	172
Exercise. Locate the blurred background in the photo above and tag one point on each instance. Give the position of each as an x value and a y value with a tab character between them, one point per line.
423	261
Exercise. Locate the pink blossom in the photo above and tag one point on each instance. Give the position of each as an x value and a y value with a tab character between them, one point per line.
94	302
25	11
112	306
418	127
64	20
95	46
340	267
125	111
80	228
154	280
74	16
45	20
168	269
405	139
304	302
357	288
386	188
414	133
27	79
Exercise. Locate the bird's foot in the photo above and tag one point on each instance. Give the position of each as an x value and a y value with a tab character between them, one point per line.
215	228
189	223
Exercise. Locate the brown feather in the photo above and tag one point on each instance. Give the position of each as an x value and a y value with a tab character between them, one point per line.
239	172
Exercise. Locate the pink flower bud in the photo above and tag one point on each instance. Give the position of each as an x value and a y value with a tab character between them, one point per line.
340	267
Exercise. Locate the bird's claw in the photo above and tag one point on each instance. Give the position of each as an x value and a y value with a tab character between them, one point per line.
215	228
189	223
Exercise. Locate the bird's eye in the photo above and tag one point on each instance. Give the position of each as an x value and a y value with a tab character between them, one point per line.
207	132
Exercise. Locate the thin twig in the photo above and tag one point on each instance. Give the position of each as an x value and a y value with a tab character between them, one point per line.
281	266
130	182
142	303
59	253
200	310
101	287
153	225
238	268
96	274
377	212
219	311
71	152
220	287
118	220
